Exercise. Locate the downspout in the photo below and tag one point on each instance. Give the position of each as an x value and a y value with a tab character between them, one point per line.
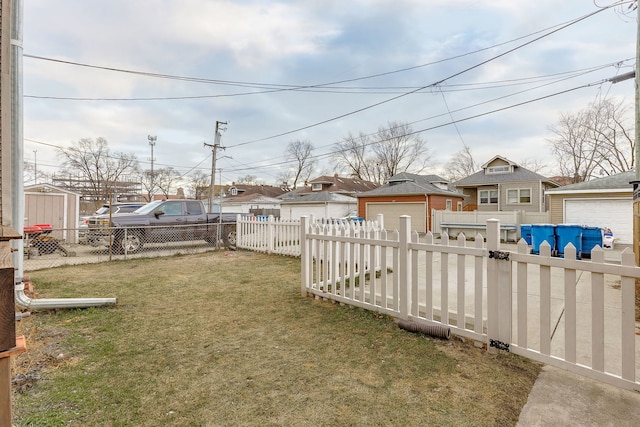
17	187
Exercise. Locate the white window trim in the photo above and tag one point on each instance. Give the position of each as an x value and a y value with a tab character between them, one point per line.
494	170
519	196
316	186
488	197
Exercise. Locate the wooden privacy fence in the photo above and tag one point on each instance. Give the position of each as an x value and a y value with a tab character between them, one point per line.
573	314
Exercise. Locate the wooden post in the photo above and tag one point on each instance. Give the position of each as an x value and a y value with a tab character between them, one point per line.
9	345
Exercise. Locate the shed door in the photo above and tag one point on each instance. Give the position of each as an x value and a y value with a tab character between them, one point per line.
392	212
616	214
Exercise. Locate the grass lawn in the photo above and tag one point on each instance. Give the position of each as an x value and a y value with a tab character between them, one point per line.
225	339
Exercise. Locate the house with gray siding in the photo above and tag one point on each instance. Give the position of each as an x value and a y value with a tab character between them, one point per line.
503	185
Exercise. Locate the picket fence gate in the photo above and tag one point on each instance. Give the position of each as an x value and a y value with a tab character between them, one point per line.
577	315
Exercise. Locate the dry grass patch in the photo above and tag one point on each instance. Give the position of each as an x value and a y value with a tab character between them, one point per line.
226	339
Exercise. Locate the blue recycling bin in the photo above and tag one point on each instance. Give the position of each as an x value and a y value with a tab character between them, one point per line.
591	236
568	233
525	233
542	233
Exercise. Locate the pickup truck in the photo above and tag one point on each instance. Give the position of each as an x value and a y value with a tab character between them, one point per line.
161	221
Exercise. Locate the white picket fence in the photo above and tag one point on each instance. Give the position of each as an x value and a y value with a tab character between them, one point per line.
282	236
574	314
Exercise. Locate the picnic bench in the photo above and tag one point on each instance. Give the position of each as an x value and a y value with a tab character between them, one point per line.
505	228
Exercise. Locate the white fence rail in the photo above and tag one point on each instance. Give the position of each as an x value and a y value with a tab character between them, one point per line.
282	236
573	314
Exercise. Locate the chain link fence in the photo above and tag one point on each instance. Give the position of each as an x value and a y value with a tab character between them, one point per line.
51	248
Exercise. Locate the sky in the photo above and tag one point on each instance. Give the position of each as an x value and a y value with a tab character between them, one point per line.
492	75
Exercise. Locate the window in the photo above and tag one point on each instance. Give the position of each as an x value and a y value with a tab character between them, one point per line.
233	191
194	208
519	196
316	186
489	197
499	169
172	208
459	208
449	204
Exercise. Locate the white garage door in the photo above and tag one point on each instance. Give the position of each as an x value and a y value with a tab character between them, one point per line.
392	212
616	214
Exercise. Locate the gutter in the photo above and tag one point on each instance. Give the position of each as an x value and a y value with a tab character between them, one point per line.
16	179
24	302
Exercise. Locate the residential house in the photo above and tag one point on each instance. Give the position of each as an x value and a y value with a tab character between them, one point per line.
245	198
602	202
324	197
256	204
337	184
323	204
503	185
409	194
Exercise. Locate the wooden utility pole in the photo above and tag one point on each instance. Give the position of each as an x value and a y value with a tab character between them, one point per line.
214	150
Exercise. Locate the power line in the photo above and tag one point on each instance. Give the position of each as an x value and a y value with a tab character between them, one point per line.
273	87
439	82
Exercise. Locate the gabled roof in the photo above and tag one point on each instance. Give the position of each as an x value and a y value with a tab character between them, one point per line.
620	182
245	189
498	157
519	174
341	184
410	184
320	197
251	198
46	188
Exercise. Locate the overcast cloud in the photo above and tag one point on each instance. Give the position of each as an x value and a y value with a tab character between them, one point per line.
253	48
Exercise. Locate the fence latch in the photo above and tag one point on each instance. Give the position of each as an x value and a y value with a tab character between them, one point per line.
500	255
499	345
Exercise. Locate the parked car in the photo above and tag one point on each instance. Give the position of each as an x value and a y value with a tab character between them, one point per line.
120	207
162	221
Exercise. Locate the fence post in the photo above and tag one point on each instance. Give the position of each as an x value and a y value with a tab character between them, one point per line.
304	255
271	225
405	267
499	284
239	226
493	239
380	220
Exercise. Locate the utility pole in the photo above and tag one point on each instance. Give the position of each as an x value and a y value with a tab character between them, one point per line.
214	150
152	143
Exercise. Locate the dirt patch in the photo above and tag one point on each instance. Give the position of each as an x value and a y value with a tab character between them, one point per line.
44	352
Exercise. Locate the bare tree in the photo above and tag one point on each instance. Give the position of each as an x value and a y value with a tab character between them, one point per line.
99	170
199	185
284	178
352	154
32	176
598	140
397	149
165	180
248	180
461	165
300	153
534	165
393	149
